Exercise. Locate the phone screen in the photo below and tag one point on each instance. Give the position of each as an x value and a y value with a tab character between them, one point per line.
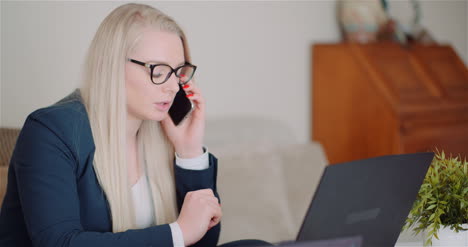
181	107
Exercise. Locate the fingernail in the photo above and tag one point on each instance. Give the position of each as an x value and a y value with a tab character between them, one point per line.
190	95
186	86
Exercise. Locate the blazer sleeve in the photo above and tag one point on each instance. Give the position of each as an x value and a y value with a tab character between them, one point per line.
190	180
45	168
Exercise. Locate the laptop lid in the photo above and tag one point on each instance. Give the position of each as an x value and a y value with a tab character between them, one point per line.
369	198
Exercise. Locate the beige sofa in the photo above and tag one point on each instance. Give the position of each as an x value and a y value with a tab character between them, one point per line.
266	192
266	179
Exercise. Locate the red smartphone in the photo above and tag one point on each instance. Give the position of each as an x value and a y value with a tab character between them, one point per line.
181	107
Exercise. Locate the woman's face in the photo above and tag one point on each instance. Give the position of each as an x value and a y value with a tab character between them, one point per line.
145	100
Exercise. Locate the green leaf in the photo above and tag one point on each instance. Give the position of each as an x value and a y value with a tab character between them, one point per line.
428	242
431	207
440	211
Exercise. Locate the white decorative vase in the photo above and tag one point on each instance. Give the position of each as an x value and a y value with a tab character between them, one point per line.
361	19
449	238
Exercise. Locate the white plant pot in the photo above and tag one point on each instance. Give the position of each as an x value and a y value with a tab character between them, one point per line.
449	238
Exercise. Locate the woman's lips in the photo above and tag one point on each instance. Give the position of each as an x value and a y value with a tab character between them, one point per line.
163	106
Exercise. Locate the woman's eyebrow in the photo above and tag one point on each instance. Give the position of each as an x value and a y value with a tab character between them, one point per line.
160	62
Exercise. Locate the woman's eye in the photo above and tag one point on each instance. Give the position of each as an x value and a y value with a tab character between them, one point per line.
157	75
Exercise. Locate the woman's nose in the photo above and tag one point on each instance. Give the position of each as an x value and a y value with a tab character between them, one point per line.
172	84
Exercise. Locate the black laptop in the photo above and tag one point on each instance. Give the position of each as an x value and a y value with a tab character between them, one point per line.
338	242
368	198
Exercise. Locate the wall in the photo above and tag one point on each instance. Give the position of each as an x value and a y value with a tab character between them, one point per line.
253	57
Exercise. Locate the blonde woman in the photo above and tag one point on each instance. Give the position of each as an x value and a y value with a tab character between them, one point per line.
106	166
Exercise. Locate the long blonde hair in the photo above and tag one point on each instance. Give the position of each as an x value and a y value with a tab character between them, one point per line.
103	93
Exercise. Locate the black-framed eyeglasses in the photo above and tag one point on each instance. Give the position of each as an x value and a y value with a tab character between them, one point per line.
160	73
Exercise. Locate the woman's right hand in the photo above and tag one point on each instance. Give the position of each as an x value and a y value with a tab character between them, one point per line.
200	212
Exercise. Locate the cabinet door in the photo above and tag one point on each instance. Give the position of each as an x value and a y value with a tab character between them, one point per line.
399	71
443	65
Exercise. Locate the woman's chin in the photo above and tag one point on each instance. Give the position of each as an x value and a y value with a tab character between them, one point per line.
158	117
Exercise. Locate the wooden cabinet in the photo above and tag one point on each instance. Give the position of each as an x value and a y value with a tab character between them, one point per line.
378	99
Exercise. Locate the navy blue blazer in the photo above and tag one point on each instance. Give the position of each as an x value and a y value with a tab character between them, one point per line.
53	197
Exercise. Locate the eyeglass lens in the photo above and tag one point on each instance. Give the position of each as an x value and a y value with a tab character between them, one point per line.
161	73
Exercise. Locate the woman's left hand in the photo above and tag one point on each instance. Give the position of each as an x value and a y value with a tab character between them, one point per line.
187	137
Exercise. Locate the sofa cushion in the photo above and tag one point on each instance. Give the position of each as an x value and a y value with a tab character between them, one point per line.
253	196
303	168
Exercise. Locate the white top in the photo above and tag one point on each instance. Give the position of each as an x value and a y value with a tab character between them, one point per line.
144	215
143	205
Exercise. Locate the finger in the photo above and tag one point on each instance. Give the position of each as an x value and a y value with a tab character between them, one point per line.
201	196
204	191
211	200
213	210
216	219
214	205
217	215
188	195
198	100
215	200
187	87
190	88
191	96
207	199
213	223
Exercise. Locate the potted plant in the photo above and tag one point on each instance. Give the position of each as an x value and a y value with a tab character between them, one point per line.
442	201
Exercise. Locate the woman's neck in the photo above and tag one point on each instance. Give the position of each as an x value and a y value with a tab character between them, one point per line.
133	125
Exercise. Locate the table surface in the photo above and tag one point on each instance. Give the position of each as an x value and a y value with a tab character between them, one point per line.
407	239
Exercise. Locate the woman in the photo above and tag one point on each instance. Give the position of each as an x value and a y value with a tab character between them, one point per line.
106	166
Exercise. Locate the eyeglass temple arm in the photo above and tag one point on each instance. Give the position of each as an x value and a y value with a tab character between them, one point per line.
138	62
